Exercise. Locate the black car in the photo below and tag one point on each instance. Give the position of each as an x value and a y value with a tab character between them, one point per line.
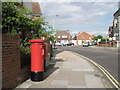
69	44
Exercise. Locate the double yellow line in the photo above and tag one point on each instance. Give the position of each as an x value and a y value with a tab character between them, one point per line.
108	75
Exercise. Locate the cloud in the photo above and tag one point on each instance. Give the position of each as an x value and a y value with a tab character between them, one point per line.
79	16
75	0
98	32
73	33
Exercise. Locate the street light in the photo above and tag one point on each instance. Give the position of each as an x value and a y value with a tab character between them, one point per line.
53	23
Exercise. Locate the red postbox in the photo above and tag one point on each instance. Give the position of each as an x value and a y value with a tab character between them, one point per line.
37	59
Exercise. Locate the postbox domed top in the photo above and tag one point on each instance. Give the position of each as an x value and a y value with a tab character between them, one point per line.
37	40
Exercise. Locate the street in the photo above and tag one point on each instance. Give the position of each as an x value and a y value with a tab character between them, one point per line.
106	57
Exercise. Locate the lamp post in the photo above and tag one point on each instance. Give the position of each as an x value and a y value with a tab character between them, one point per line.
53	21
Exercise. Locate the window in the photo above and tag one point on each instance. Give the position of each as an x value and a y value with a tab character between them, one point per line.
64	36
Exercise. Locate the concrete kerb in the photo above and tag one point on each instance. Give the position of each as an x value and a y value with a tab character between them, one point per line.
113	82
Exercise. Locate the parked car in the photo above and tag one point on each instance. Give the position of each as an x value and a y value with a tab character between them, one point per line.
85	44
58	44
69	44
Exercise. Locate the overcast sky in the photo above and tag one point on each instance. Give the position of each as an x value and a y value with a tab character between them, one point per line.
91	17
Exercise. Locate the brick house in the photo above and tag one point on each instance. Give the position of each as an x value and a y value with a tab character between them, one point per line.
63	37
83	37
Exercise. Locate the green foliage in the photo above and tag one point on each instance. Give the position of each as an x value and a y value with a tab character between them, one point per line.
100	37
97	37
25	56
16	20
14	16
25	50
82	41
104	39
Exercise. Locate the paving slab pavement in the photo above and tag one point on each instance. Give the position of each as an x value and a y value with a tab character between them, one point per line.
69	71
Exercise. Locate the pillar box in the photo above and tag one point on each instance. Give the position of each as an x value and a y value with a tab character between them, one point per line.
37	59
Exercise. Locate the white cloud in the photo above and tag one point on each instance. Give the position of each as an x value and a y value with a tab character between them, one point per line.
75	0
98	32
70	8
79	15
74	32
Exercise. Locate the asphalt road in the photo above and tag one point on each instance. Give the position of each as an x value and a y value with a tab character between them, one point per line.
106	57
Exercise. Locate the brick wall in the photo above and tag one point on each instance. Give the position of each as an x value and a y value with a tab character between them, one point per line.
12	73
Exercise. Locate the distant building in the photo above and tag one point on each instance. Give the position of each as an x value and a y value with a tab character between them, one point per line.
114	30
111	33
116	24
83	37
63	36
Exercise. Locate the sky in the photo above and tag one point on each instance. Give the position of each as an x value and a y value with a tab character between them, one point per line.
92	17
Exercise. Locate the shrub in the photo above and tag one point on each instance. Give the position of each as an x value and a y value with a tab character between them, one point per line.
25	56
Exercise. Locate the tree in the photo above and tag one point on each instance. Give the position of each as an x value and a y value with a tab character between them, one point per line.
95	38
100	37
16	19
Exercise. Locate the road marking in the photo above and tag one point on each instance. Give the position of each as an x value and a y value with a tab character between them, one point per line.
108	75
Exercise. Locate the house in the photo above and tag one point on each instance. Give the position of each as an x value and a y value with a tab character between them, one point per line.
116	25
63	37
36	10
111	33
34	7
83	37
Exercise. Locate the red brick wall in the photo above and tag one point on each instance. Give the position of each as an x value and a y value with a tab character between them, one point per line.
12	74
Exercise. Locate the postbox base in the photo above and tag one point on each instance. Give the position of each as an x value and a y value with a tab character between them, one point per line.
36	76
